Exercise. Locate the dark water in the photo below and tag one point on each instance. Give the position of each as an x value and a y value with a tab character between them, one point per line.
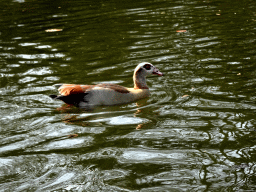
197	131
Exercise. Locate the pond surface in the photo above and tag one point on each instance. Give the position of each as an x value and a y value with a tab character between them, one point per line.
197	131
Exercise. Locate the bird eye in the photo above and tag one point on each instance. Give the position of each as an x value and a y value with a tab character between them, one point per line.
147	66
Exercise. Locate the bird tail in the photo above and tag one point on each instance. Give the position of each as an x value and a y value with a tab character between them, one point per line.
53	96
57	86
73	99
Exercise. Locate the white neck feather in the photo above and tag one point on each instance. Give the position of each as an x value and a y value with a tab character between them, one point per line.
139	79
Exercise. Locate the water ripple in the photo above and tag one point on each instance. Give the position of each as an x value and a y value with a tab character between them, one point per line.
195	132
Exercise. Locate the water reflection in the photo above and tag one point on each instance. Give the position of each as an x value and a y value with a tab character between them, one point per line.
197	130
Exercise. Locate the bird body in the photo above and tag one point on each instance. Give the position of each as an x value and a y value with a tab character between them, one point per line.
107	94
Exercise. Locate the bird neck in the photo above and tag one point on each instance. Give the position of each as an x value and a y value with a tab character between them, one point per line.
139	80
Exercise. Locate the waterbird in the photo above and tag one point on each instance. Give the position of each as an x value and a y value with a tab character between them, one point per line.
83	96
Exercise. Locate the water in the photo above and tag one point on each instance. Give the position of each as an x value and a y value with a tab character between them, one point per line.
195	133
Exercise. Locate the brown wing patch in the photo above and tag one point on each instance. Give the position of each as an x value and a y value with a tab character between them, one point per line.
117	88
68	89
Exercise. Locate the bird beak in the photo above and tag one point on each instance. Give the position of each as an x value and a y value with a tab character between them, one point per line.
157	72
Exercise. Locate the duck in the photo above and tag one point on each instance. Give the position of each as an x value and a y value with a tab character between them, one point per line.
83	96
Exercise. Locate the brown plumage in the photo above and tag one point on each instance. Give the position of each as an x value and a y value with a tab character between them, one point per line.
68	89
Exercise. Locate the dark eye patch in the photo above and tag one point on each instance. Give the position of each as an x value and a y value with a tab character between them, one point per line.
147	66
